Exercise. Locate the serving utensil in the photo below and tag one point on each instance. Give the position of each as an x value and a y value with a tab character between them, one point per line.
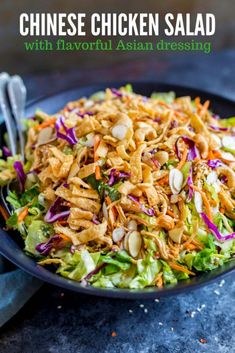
12	103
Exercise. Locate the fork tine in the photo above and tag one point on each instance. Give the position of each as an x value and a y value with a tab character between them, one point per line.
4	78
3	198
17	96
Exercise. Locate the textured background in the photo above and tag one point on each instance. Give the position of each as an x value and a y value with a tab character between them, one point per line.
14	59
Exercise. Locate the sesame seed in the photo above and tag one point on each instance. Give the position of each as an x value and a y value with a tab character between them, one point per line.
160	324
130	311
192	314
172	329
217	292
141	305
157	300
222	283
59	307
145	310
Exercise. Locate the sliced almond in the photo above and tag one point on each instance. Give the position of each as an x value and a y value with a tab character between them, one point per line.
175	180
217	140
198	201
118	234
126	242
227	156
119	131
132	225
105	211
162	157
212	178
45	136
88	103
228	142
134	243
176	233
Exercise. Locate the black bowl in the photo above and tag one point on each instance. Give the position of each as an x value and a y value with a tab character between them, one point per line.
11	246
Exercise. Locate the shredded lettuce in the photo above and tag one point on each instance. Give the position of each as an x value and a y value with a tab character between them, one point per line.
228	122
102	188
167	97
168	274
78	265
38	232
207	260
147	270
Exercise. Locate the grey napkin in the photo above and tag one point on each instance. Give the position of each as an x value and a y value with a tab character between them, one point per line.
16	287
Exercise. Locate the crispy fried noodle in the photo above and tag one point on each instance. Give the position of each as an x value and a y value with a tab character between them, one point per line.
121	190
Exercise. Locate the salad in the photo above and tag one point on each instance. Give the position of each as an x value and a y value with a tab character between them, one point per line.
122	190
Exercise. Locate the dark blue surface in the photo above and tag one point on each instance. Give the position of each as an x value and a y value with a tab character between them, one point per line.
53	322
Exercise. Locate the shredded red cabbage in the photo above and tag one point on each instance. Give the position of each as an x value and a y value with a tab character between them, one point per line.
193	152
116	92
224	179
212	227
86	113
156	163
116	175
157	120
72	249
148	211
45	248
69	135
95	220
214	163
174	124
95	271
215	116
55	212
6	151
21	176
190	183
217	128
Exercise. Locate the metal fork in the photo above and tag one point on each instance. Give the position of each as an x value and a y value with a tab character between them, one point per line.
12	103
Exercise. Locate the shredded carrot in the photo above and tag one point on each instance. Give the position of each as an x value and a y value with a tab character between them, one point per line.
108	200
222	210
96	145
163	180
206	104
180	268
97	173
23	214
198	244
62	222
190	246
197	102
210	155
213	203
159	280
63	236
171	213
183	159
205	201
217	154
45	123
4	212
